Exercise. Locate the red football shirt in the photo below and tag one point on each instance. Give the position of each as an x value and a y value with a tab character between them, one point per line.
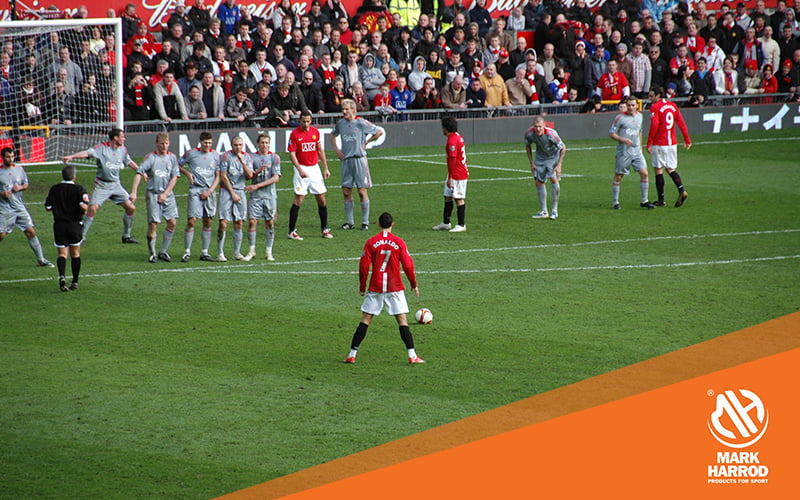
304	144
664	115
456	157
612	87
385	253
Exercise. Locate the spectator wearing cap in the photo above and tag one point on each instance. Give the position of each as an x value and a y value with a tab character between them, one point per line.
785	83
189	78
624	65
317	16
200	16
147	40
752	78
180	16
742	17
138	56
504	67
577	65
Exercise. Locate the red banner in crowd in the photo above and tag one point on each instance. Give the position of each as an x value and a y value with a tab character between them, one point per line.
155	12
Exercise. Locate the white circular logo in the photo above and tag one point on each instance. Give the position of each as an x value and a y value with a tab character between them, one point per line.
739	419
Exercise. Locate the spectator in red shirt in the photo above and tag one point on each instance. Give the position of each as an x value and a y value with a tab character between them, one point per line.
613	85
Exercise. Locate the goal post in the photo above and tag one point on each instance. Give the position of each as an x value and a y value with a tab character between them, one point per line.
48	108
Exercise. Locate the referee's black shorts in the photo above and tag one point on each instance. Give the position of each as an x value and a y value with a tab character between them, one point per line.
67	233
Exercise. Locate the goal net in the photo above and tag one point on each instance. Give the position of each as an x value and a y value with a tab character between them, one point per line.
60	90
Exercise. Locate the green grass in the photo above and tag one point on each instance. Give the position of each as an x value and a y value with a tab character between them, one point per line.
148	383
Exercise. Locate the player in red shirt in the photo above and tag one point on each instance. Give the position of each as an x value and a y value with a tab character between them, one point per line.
306	151
662	143
385	253
455	188
613	85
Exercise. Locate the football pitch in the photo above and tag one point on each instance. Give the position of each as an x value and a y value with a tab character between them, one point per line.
199	379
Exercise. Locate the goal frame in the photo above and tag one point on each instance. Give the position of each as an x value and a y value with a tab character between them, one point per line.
62	23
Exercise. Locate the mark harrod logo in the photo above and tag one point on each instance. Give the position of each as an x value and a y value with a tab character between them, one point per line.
739	420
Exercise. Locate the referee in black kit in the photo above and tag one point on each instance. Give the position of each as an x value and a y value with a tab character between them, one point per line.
68	202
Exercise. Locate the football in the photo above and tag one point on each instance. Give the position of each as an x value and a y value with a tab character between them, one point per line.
424	316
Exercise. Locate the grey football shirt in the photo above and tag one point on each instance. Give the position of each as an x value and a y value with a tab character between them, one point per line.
629	127
202	165
264	167
159	169
110	160
353	134
548	145
230	164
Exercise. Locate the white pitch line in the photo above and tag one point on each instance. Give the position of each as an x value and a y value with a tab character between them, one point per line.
522	270
239	267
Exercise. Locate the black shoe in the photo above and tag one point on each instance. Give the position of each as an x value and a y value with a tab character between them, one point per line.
164	256
616	206
62	284
647	205
128	239
681	199
74	286
365	227
207	258
660	203
347	226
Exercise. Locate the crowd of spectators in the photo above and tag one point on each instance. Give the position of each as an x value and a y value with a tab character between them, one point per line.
232	64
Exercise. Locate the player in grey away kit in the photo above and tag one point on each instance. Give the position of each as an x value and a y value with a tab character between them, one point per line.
200	166
550	151
161	170
111	157
13	181
355	134
235	166
627	131
263	202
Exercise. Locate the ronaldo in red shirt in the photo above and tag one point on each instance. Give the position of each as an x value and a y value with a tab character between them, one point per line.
385	254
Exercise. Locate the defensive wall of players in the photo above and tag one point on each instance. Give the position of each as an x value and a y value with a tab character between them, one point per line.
707	120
